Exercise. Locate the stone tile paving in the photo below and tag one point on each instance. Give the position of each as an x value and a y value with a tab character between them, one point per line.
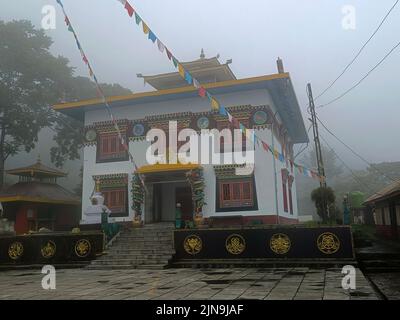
187	284
388	283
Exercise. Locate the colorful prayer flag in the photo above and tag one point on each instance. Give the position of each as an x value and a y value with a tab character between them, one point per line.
175	62
188	77
222	110
181	71
160	45
214	104
129	8
169	54
145	28
138	19
196	84
152	36
202	92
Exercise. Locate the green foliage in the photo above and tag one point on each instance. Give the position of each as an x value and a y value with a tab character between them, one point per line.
323	197
31	81
30	78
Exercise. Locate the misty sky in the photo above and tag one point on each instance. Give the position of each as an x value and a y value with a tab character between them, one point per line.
306	34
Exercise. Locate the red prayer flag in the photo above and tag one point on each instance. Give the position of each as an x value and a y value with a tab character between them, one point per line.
265	146
129	8
66	21
85	60
202	92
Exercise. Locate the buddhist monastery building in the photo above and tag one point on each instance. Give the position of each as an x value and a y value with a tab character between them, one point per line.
265	195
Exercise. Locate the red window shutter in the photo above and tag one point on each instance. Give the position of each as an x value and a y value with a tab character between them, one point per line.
246	194
236	191
226	191
104	144
112	198
113	147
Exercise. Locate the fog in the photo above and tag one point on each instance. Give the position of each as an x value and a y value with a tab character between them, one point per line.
307	34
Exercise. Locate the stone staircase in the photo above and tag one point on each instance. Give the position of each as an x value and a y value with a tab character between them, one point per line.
149	247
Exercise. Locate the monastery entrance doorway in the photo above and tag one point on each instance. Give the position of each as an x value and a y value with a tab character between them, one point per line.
167	187
166	196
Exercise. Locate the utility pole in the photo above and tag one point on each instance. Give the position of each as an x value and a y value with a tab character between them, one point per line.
320	162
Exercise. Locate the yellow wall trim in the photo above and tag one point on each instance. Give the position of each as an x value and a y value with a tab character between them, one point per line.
36	199
153	168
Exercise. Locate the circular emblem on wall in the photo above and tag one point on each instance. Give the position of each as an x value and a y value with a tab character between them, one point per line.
138	130
328	243
15	250
280	243
203	122
192	244
82	248
91	135
235	244
48	250
260	117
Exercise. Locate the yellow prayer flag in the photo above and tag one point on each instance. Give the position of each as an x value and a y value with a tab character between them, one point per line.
145	28
214	104
181	70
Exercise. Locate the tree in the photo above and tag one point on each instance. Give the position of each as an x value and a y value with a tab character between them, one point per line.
31	81
30	78
323	197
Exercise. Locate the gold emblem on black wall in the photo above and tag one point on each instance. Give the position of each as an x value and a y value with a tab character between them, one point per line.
82	248
192	244
15	250
235	244
328	243
280	243
48	250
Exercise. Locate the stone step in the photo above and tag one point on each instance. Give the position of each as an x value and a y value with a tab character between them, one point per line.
142	247
136	256
140	242
167	250
151	266
150	247
111	267
147	236
129	262
147	239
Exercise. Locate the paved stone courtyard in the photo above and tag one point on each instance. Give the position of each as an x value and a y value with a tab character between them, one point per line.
175	284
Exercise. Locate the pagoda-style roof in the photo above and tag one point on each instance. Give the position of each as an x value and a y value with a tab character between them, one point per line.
204	70
37	170
35	191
